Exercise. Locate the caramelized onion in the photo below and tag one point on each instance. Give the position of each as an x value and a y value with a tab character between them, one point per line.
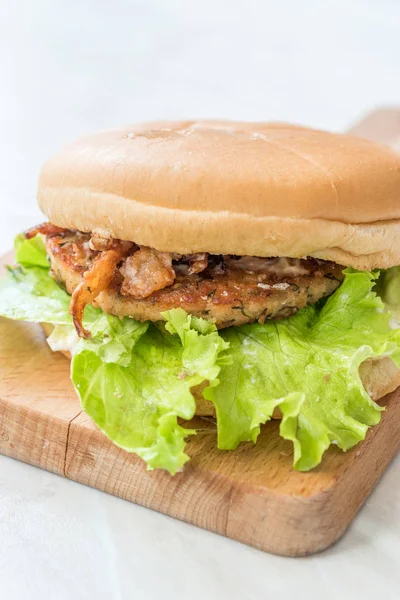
96	279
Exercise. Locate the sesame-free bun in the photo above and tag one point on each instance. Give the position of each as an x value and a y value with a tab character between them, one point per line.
256	189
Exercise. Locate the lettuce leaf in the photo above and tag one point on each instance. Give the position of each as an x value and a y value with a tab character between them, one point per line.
137	402
308	366
31	253
28	293
388	287
64	338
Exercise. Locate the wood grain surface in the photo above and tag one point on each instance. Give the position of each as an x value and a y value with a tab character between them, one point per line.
252	495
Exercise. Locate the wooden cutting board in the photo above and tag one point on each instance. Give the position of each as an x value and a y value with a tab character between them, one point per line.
252	495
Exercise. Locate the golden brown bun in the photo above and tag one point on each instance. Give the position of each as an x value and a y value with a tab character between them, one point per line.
232	188
379	376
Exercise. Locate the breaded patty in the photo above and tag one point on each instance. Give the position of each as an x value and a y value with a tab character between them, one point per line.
228	290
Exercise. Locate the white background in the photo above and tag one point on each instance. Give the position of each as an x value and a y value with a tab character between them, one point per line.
74	66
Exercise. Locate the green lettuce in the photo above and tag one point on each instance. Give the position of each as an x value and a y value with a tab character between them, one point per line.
32	252
135	379
308	366
136	398
29	293
388	287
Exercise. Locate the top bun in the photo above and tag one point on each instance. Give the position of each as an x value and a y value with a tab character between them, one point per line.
256	189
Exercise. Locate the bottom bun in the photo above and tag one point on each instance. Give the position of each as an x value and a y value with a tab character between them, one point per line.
380	376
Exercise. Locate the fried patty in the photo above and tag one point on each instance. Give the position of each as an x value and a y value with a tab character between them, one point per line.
230	290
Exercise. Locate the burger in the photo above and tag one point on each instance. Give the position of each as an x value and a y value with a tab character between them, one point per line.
237	271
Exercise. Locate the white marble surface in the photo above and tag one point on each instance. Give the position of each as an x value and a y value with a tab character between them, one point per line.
67	68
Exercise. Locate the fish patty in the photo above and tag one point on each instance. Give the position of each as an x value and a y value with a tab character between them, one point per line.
230	291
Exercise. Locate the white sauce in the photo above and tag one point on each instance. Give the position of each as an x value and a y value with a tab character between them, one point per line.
277	266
